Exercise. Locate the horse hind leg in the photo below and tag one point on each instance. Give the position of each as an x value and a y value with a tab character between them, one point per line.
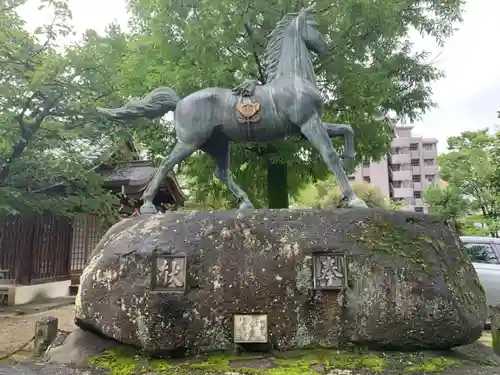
317	134
218	149
180	152
342	130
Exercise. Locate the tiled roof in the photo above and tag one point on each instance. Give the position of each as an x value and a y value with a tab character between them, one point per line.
134	176
130	173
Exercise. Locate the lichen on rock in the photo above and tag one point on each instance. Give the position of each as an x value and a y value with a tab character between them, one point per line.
408	283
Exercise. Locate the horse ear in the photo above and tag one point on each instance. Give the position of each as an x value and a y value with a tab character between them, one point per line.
305	11
310	8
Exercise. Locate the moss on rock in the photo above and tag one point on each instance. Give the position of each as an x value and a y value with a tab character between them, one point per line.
385	237
126	361
399	267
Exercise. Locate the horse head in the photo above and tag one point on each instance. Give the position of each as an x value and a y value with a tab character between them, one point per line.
310	33
294	36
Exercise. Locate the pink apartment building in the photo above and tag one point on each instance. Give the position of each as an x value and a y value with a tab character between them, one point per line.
406	172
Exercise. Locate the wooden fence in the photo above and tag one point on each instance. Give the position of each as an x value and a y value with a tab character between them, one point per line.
35	250
87	232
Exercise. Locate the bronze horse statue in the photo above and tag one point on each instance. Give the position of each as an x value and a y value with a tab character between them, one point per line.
288	104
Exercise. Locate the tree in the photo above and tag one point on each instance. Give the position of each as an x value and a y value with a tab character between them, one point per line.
321	195
472	200
371	79
449	203
50	140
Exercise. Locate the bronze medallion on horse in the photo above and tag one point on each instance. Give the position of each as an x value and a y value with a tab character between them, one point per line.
247	111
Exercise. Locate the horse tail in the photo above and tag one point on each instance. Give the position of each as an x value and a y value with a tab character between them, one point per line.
156	104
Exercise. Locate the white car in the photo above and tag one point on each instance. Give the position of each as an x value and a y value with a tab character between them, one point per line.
485	255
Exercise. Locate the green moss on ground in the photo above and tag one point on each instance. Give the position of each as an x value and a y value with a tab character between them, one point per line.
487	339
495	340
124	361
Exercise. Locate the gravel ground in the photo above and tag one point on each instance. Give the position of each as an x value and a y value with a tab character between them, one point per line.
15	331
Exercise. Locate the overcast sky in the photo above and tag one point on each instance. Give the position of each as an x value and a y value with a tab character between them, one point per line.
468	97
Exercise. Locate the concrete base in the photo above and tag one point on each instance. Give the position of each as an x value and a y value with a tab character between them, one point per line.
23	294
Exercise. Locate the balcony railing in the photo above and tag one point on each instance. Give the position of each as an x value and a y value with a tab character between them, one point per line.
429	154
401	175
400	142
400	158
415	154
402	192
430	169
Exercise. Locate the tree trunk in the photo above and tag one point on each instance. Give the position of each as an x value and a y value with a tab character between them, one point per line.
277	185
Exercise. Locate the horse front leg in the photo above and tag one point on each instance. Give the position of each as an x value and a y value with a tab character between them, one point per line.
317	134
345	131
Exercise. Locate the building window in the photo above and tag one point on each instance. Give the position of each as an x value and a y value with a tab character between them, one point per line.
419	209
429	162
428	146
366	164
351	178
414	146
396	150
417	194
416	178
415	162
367	179
397	184
430	178
396	167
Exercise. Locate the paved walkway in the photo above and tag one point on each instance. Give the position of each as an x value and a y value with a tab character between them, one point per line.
18	328
36	307
28	368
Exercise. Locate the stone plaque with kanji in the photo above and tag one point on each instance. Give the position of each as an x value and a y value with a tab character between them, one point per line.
169	273
250	328
329	271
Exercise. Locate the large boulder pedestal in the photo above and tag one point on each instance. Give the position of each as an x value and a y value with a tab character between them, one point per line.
282	279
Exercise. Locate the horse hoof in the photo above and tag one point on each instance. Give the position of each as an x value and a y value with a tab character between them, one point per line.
148	209
246	206
357	203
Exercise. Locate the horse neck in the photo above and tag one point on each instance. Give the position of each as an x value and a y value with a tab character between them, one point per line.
295	59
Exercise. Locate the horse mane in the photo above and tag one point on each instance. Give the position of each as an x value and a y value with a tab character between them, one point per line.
273	49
